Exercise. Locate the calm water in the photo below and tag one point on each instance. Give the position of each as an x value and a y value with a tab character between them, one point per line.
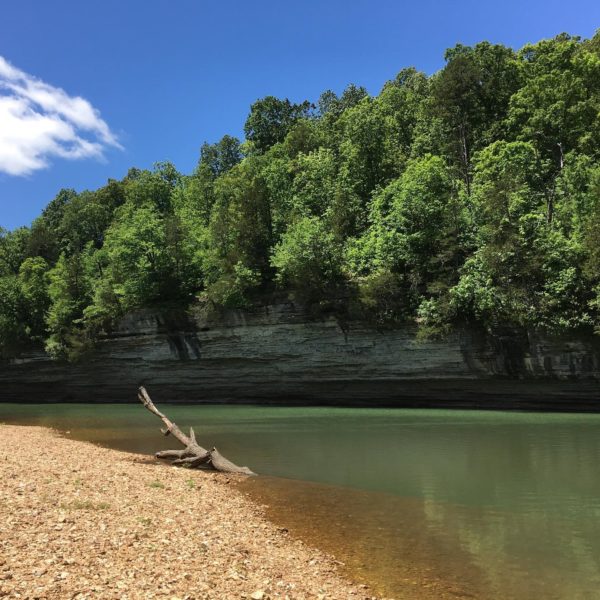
420	503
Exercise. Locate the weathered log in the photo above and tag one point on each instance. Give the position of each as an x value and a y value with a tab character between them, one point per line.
193	455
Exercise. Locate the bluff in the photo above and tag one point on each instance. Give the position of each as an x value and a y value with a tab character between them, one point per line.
281	354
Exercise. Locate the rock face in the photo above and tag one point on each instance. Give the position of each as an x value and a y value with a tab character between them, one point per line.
277	354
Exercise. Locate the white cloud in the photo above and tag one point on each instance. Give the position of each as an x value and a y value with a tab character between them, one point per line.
39	121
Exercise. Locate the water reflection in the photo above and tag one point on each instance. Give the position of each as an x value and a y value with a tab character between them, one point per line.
425	503
420	548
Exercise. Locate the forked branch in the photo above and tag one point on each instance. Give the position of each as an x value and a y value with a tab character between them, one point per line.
193	455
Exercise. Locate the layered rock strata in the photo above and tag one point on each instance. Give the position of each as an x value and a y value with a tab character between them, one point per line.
279	354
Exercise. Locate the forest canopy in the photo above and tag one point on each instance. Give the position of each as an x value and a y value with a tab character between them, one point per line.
468	196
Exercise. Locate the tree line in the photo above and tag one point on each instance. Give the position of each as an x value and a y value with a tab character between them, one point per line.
468	196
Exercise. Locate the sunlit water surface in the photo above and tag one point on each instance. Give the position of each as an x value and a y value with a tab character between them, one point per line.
418	503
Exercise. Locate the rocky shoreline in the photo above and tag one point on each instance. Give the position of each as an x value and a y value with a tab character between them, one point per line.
84	522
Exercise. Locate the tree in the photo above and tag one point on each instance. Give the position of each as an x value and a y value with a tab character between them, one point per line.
14	246
70	290
271	119
85	219
308	259
152	187
525	271
138	266
220	157
314	184
456	99
556	109
471	95
54	211
590	237
412	219
416	241
329	103
402	101
240	232
13	336
34	290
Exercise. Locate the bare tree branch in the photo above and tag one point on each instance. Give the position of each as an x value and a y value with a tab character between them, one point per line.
193	455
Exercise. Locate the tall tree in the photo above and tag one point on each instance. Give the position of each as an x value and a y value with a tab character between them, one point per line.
271	119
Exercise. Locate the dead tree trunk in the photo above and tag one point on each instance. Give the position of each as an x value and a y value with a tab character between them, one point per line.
192	455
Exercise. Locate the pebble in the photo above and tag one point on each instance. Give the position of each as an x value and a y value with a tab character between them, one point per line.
93	510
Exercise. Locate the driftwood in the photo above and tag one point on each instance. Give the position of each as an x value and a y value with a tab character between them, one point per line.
192	455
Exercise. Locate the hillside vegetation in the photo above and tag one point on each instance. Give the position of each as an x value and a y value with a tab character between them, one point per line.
472	195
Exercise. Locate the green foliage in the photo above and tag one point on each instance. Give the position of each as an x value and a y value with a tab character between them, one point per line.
557	107
13	250
308	259
472	195
385	297
138	266
271	119
152	187
231	289
240	232
330	104
12	316
34	291
69	290
220	157
314	185
418	223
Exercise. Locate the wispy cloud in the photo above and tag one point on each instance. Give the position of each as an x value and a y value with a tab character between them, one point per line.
39	121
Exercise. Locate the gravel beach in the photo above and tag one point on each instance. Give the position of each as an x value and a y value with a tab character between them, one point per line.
79	521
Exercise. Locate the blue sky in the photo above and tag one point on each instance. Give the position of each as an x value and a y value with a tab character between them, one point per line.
167	75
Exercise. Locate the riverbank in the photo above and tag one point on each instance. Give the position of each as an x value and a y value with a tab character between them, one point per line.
81	521
283	355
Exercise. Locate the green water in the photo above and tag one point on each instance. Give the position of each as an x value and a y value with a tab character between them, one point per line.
417	502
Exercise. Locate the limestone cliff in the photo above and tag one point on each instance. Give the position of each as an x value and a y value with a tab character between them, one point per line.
279	354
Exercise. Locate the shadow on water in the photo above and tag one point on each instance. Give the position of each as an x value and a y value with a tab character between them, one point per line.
418	503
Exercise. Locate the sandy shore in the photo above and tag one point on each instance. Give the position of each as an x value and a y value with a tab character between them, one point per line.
79	521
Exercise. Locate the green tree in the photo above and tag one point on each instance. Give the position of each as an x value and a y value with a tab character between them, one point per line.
271	119
152	187
416	242
525	271
557	107
70	290
308	260
314	184
471	95
13	335
33	281
333	106
240	230
138	266
220	157
85	219
14	246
